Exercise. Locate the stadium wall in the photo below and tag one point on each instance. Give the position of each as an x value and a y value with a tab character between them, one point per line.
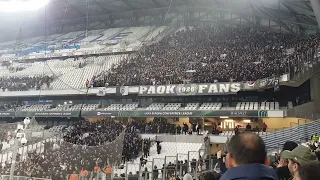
315	91
306	110
309	110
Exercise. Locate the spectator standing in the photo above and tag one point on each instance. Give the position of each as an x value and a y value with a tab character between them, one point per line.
198	128
264	127
185	128
155	173
298	157
247	159
236	130
315	138
145	174
282	167
74	176
310	171
83	174
108	172
97	171
87	83
248	127
219	130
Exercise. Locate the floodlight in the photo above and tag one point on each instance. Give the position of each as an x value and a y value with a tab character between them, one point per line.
19	5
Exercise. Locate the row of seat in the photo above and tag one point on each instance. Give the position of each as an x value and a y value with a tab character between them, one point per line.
257	106
210	106
114	107
64	107
131	35
153	106
172	106
192	106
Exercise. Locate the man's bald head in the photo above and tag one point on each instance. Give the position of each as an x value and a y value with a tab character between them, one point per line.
247	148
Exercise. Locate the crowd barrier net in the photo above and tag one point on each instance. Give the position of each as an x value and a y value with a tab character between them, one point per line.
5	128
55	157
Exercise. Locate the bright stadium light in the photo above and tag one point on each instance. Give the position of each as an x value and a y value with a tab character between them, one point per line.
22	5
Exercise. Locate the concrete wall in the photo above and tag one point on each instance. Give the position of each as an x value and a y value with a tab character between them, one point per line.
185	138
180	138
306	110
315	91
309	110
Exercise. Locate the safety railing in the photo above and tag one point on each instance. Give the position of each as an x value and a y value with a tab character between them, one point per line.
7	177
297	134
305	64
158	168
35	145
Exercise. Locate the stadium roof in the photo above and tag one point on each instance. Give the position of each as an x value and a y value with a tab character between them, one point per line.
293	11
59	13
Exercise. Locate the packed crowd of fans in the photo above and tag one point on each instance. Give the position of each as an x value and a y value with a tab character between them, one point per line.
213	54
24	83
161	126
132	145
200	55
89	148
93	134
86	145
153	127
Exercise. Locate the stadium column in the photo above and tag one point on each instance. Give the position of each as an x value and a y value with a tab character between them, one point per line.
316	9
315	91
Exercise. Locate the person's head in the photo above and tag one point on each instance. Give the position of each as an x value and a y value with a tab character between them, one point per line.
187	177
298	157
318	154
289	145
246	148
211	176
309	171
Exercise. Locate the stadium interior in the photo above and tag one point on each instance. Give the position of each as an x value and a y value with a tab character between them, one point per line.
157	89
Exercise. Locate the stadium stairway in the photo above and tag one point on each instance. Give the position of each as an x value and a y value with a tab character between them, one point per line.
173	27
142	38
302	132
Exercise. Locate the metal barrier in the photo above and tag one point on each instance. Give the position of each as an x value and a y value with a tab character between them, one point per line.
305	65
167	167
303	131
6	177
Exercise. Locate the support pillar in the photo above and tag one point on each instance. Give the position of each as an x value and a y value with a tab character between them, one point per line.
316	9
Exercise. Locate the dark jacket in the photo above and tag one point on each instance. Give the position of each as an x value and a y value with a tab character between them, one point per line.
222	166
283	173
250	172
